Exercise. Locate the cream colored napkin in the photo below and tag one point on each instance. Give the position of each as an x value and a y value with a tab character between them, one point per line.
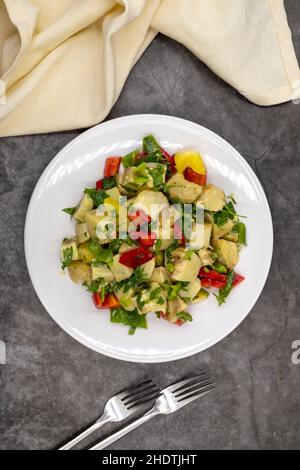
63	63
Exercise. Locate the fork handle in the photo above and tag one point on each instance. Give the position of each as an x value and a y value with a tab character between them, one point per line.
122	432
101	421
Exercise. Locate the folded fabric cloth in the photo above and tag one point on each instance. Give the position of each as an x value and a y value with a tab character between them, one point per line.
63	63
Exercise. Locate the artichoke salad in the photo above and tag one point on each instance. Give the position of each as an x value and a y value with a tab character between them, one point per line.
146	263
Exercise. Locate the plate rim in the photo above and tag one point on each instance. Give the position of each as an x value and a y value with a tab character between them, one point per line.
113	123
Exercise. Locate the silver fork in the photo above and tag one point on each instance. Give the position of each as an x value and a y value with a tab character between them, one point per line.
170	399
119	407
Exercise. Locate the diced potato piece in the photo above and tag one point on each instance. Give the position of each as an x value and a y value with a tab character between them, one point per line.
174	307
79	272
158	304
82	233
227	252
219	232
206	257
151	202
160	275
148	268
200	297
92	220
102	272
212	198
186	269
185	191
86	204
120	271
84	253
191	290
69	243
200	236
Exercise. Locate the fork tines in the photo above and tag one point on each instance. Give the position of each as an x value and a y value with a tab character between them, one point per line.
139	394
193	387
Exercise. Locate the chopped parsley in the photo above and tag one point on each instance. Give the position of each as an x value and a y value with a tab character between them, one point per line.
98	195
223	293
137	278
70	210
109	182
102	255
227	213
67	257
132	319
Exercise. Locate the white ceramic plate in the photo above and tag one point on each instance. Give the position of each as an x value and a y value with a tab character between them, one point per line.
78	166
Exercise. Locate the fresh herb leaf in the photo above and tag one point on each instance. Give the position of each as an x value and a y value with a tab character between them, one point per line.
158	176
102	255
185	316
137	278
227	213
132	330
129	159
68	255
151	145
171	248
223	293
70	210
173	289
170	267
93	286
98	195
132	319
154	293
157	246
109	182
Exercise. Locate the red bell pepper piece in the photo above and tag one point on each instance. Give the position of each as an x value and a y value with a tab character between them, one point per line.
237	279
136	257
208	283
97	300
194	177
213	275
99	185
147	239
110	301
112	165
170	159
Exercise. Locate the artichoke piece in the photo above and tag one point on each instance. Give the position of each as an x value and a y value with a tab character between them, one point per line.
227	252
86	204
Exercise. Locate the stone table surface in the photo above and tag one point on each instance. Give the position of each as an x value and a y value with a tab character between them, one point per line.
53	386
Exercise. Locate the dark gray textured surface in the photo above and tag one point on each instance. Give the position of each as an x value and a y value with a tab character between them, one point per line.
52	386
